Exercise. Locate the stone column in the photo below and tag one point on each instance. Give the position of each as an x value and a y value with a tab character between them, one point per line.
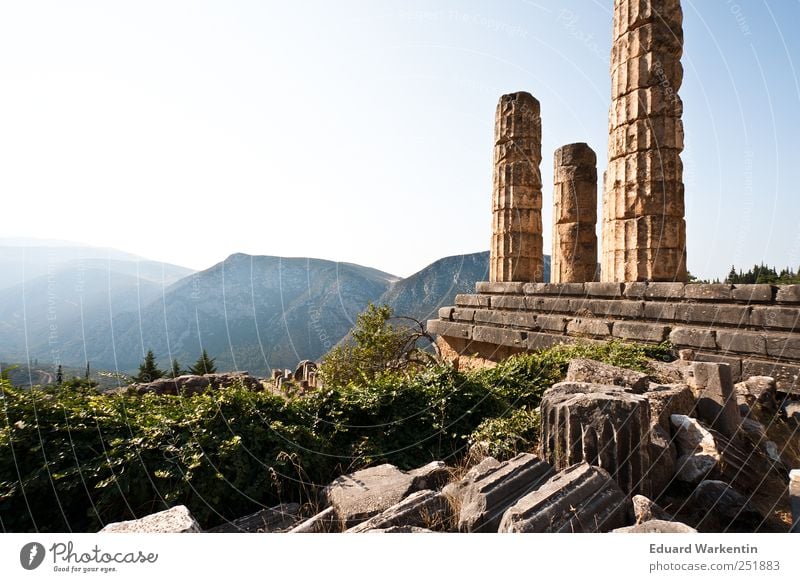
516	250
644	232
574	215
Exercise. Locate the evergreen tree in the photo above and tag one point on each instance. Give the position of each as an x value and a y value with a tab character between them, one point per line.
204	365
148	371
176	368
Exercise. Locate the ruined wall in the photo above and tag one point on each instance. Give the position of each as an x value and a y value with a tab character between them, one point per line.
754	328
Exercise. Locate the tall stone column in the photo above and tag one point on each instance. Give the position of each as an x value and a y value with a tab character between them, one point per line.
644	232
516	250
574	215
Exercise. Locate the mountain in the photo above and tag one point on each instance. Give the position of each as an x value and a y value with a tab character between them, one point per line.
26	259
422	294
251	313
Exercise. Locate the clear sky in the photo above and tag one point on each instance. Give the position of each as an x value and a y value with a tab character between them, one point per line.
361	131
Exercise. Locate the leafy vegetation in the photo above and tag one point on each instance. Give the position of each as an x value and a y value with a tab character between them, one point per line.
74	459
379	343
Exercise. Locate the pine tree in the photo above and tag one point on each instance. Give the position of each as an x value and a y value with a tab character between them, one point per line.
148	371
176	368
204	365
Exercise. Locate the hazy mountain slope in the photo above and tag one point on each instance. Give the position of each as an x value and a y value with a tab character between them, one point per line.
26	262
45	317
250	312
423	293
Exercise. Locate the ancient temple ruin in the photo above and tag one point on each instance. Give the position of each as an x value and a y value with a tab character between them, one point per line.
642	294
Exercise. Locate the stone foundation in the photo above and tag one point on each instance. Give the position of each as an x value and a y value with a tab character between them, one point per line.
754	328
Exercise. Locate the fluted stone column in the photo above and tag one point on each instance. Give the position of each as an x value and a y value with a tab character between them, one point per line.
574	215
644	232
601	425
516	250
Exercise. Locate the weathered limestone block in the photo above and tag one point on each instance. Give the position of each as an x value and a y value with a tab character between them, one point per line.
794	497
428	509
716	396
601	425
271	519
719	507
645	509
434	475
325	521
667	400
516	249
581	498
593	372
575	215
456	489
644	232
663	461
358	496
697	448
177	519
402	529
657	526
487	497
757	390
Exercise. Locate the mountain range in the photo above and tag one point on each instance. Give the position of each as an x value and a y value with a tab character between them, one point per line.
251	313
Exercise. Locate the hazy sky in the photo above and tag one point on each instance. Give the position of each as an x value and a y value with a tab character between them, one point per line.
362	130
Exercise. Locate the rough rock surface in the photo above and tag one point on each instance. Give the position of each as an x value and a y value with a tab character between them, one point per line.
271	519
428	509
716	397
657	526
434	475
794	499
574	257
663	461
601	425
666	400
191	384
517	247
757	390
325	521
593	372
792	410
645	509
487	496
581	498
177	519
455	490
697	449
358	496
402	529
720	507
